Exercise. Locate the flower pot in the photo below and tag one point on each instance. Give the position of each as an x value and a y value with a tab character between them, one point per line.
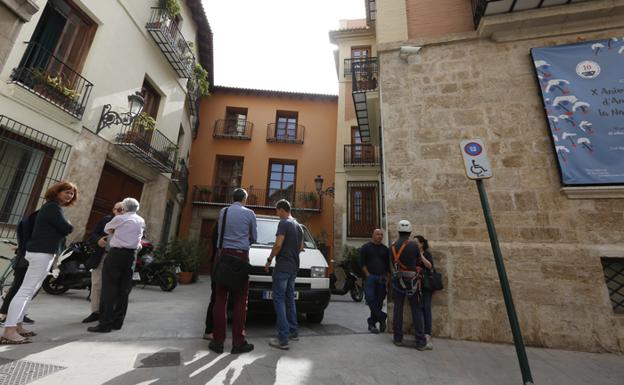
185	277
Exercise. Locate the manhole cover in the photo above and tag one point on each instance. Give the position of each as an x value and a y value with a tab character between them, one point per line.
23	372
154	360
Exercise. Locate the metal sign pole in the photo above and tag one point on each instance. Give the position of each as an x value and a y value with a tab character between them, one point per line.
504	282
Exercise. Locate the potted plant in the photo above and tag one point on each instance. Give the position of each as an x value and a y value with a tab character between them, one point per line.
145	121
204	194
189	253
309	199
201	78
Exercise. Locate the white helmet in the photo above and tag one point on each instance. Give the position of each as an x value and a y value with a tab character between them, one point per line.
404	226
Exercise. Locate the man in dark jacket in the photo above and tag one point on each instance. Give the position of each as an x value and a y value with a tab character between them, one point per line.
24	231
96	261
376	268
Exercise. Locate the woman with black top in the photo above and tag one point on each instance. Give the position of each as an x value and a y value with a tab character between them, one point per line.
47	239
423	247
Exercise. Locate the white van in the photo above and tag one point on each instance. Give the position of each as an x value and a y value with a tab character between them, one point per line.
311	285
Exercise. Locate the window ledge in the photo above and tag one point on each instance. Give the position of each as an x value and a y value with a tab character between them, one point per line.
593	192
549	21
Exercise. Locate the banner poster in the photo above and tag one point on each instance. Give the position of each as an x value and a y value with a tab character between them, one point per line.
582	89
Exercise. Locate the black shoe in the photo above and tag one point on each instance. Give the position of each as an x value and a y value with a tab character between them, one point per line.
245	347
216	347
117	325
373	329
27	320
382	326
91	318
99	329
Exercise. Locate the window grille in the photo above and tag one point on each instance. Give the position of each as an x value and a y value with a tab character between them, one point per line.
363	208
30	162
613	269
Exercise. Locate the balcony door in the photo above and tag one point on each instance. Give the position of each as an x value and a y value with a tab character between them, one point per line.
282	176
60	42
235	121
286	125
363	209
228	176
360	152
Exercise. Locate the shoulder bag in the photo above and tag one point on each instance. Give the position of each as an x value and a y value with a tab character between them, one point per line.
230	271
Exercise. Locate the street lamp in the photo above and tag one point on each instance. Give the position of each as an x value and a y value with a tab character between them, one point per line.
318	183
110	117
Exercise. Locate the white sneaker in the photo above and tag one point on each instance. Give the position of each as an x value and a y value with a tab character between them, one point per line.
429	346
277	344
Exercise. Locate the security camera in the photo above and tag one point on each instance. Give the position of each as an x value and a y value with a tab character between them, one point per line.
408	50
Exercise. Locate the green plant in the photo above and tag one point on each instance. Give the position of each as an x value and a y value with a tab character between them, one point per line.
146	121
204	190
189	253
309	196
57	84
201	77
350	260
173	7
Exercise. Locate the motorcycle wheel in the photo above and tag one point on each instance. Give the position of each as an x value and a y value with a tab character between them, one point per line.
168	280
357	294
52	287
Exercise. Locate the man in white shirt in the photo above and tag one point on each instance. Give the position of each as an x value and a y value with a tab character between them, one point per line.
127	231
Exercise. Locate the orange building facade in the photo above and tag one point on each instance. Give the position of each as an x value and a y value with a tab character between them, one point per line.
275	145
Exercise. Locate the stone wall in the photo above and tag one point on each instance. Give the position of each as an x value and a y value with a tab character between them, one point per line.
13	14
551	244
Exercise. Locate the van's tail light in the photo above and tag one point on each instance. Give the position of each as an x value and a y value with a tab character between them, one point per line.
317	272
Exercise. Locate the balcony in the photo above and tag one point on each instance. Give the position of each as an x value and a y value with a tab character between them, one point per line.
149	146
232	129
285	133
46	76
258	197
482	8
179	176
361	155
165	32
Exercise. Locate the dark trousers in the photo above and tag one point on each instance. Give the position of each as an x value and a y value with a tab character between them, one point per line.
209	318
18	278
399	295
427	297
375	290
116	286
239	302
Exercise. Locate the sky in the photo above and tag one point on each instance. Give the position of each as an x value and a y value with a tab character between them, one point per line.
277	44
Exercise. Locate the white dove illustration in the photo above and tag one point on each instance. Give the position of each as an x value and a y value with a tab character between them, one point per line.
596	47
581	105
585	126
561	149
555	83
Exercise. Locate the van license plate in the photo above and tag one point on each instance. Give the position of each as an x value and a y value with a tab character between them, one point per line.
268	294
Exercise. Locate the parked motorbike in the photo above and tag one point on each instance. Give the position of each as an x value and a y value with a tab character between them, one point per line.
69	271
350	286
149	272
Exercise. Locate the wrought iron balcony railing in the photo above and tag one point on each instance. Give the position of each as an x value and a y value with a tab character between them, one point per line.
149	146
165	32
361	155
258	197
45	75
364	73
232	129
481	8
285	133
180	177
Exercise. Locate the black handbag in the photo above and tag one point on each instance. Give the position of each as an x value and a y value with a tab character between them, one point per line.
230	271
432	281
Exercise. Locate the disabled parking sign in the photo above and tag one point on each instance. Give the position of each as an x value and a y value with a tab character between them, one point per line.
475	159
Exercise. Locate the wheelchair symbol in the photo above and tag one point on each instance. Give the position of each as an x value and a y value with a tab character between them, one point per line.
477	169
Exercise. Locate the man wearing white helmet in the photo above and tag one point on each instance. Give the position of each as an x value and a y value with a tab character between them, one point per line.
407	265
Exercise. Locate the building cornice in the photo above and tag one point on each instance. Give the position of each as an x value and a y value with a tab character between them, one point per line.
24	9
273	93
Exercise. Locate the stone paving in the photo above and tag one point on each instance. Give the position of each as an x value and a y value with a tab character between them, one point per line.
160	344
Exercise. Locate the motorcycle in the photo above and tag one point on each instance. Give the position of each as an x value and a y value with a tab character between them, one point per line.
69	271
149	272
350	285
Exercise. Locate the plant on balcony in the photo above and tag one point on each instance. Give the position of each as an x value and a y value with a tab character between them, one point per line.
146	121
204	194
57	85
309	199
201	77
173	7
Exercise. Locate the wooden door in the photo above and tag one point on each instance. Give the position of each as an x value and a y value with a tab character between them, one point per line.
113	187
208	237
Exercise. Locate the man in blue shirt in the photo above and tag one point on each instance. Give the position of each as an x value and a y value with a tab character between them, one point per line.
288	245
239	234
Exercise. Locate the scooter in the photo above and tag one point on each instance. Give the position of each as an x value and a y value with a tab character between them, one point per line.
149	272
350	286
70	271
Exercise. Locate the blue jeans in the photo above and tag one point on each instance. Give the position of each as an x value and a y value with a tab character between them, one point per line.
284	303
375	290
426	307
398	294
